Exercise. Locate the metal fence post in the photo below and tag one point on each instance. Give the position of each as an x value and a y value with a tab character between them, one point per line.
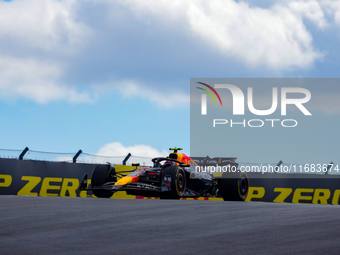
21	157
76	156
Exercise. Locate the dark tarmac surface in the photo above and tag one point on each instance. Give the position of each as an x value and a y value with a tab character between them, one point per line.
55	225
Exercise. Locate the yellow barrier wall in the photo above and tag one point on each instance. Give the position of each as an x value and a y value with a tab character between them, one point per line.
39	178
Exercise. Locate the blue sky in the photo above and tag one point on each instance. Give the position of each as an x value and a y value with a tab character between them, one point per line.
87	74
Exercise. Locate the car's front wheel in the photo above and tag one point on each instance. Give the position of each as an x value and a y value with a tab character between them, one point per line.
100	176
176	182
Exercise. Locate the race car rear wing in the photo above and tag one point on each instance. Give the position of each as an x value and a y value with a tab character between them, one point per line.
207	161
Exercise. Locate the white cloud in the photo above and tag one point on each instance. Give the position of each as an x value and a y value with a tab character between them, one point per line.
318	11
276	38
166	98
42	24
311	10
118	149
35	80
333	8
116	152
33	33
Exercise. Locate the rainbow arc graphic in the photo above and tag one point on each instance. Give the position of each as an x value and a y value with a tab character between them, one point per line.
209	93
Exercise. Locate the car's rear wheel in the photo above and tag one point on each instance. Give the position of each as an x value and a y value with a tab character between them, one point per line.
101	175
177	183
234	186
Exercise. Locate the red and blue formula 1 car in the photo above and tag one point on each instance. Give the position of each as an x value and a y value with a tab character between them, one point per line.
171	177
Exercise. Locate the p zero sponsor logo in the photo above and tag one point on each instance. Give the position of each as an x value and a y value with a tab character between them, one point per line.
49	186
68	187
297	196
5	180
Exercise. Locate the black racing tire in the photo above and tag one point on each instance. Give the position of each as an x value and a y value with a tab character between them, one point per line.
100	175
178	182
234	186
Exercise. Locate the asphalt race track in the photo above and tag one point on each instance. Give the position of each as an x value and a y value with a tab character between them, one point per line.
56	225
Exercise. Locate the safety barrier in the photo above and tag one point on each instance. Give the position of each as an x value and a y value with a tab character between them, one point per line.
43	178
